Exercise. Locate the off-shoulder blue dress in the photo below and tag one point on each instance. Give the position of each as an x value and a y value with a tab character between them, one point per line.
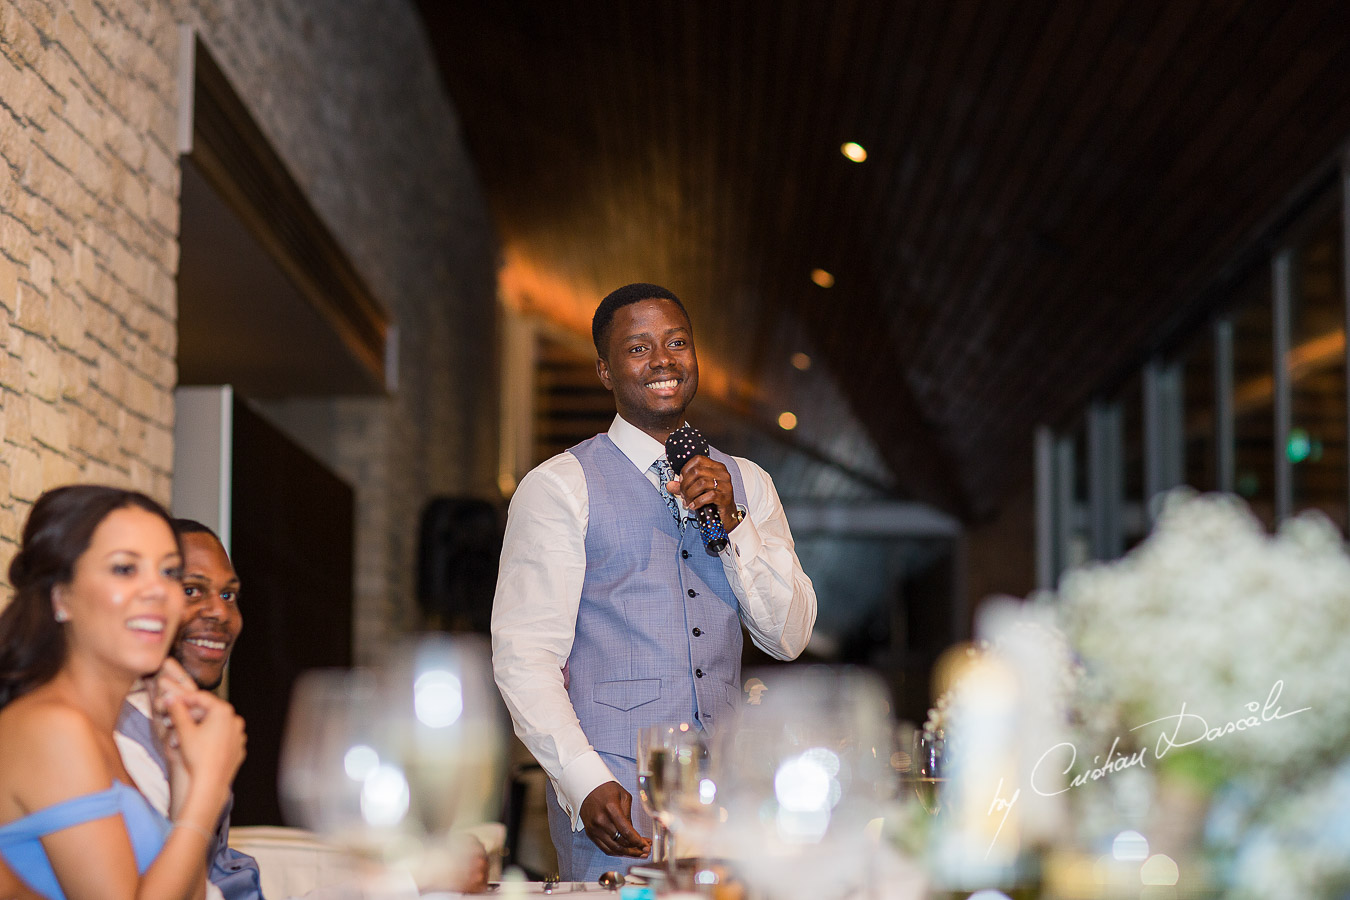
21	840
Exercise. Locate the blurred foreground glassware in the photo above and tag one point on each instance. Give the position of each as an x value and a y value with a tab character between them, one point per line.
929	768
811	768
446	726
693	810
338	772
386	763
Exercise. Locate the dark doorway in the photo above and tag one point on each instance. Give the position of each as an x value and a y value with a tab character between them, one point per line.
292	538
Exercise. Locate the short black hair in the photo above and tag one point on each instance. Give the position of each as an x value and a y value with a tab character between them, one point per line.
617	300
192	526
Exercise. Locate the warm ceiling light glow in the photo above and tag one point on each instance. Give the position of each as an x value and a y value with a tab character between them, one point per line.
801	362
822	278
787	421
854	151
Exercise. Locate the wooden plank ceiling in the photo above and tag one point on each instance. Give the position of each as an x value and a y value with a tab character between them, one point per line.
1050	189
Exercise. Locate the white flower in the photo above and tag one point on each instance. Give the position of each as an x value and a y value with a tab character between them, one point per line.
1212	612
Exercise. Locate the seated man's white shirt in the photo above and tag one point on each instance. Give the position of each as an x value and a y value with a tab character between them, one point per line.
140	765
147	774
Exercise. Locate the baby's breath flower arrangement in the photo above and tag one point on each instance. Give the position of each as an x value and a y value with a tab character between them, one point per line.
1214	657
1236	644
1216	628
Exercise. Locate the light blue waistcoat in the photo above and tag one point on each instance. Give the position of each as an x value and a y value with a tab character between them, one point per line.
658	634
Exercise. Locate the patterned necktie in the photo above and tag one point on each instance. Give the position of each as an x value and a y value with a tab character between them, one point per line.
664	474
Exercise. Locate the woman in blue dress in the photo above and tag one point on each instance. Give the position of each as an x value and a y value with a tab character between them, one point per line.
97	599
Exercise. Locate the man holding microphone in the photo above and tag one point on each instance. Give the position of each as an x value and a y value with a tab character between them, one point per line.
611	613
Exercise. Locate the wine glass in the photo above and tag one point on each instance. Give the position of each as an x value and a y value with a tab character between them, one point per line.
386	763
338	772
692	810
929	767
444	721
653	747
811	769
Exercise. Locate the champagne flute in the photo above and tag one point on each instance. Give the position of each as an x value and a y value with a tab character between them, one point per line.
692	808
930	768
651	773
654	744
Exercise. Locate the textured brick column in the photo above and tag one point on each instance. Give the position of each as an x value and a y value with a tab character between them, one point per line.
88	250
347	93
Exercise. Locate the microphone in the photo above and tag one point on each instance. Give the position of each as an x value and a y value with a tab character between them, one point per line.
683	444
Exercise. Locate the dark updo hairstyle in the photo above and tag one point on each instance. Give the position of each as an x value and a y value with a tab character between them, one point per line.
58	531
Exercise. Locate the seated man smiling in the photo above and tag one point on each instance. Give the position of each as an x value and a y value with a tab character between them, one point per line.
211	624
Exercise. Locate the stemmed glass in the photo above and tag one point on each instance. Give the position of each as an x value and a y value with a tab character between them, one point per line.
445	723
811	771
654	744
692	808
929	767
338	772
386	762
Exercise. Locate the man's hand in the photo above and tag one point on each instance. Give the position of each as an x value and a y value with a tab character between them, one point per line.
606	814
702	481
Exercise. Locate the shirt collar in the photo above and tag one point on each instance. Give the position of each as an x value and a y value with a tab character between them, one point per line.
140	697
640	447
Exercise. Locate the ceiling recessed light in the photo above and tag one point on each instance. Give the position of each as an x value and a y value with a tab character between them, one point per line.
854	151
801	362
822	278
787	421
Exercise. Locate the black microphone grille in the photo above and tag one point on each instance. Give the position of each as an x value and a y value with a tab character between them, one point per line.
683	444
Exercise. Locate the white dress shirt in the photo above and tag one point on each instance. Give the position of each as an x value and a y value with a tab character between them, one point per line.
147	774
140	765
543	566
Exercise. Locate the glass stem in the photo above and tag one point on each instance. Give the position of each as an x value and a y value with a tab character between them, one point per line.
660	844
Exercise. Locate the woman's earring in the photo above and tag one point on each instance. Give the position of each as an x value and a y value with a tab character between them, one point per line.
62	616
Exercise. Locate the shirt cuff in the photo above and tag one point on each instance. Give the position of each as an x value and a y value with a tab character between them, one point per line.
581	776
743	544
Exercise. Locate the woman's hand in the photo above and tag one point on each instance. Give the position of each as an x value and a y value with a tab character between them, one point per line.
210	735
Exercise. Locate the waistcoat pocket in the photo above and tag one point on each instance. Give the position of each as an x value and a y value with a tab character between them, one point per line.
627	695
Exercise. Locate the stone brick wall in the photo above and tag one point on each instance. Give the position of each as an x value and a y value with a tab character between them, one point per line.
88	250
347	93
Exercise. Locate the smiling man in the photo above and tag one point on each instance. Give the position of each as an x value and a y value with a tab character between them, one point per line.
211	620
610	614
211	624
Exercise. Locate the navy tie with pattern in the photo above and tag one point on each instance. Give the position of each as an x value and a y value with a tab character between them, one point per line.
664	474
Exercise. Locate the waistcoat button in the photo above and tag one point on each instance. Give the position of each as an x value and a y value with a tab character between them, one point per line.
693	593
684	554
698	632
698	672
